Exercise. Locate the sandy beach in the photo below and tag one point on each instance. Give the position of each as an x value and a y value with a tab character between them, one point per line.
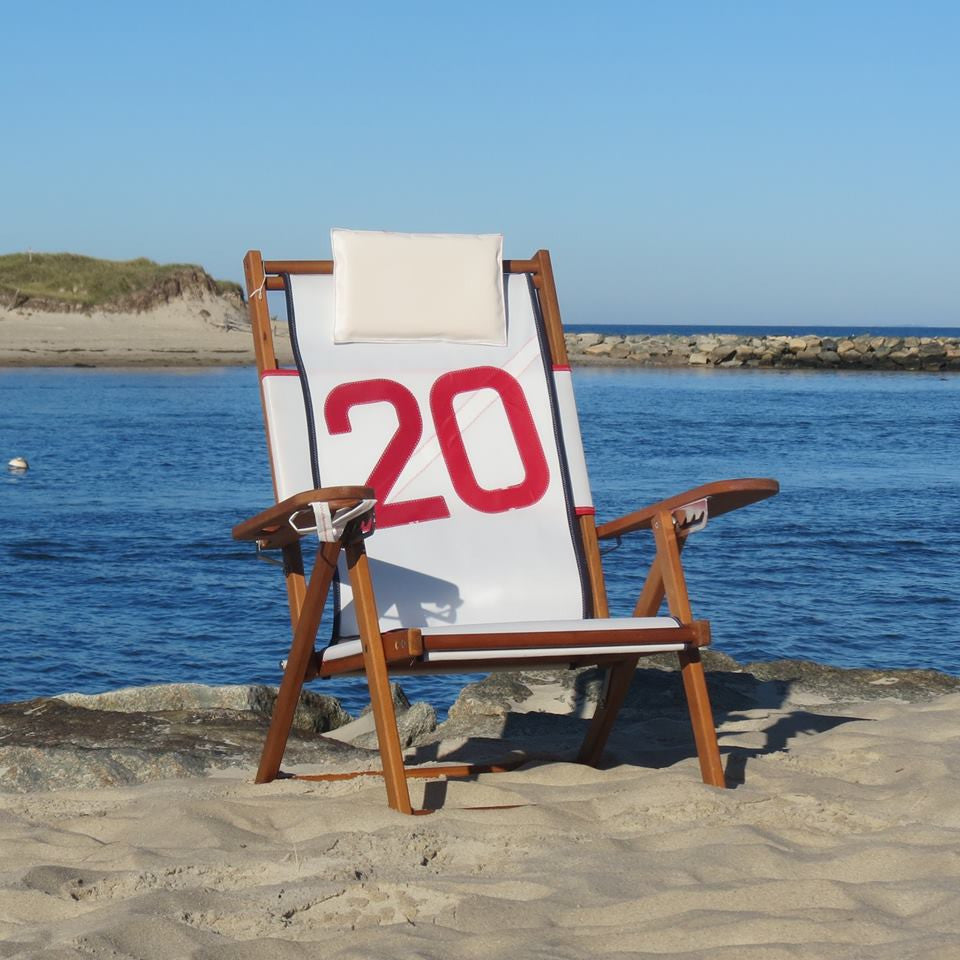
194	331
840	839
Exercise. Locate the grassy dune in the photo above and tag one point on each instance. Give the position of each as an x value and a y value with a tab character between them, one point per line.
86	281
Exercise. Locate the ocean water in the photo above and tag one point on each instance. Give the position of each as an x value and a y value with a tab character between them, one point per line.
118	567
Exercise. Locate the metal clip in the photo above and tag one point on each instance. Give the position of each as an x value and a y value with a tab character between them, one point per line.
611	548
265	557
691	517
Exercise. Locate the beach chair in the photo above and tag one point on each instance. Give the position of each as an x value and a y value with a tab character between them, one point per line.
429	438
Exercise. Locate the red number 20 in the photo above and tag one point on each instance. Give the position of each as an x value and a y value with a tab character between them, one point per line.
409	430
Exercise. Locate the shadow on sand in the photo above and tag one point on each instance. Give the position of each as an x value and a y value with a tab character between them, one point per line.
652	730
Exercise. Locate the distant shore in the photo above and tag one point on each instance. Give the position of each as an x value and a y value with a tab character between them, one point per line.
207	331
202	331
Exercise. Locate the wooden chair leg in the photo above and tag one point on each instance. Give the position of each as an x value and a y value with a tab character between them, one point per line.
375	666
694	681
701	718
616	686
298	662
619	677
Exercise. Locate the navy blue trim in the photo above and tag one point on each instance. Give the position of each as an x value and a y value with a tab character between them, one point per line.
573	522
304	385
312	434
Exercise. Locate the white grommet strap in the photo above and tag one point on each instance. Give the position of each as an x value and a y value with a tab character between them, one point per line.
330	525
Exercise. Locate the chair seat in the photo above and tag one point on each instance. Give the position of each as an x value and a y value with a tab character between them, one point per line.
620	628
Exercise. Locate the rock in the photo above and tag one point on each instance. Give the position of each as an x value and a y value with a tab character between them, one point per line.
589	339
730	350
413	725
397	695
722	354
315	712
490	697
50	743
845	684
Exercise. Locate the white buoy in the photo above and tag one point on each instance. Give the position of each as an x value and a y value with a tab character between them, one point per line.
19	463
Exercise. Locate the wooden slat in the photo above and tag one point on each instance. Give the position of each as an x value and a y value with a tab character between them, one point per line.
267	360
567	638
298	266
275	269
253	269
352	666
724	496
591	550
550	308
451	770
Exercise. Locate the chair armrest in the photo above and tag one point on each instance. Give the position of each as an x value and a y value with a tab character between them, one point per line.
271	527
722	496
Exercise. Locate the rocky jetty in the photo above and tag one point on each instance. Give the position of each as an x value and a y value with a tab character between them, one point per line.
861	352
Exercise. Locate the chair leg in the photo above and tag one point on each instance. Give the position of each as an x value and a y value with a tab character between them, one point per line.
298	662
616	685
701	718
619	677
691	666
375	666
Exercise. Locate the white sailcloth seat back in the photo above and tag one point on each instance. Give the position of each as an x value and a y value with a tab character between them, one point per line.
463	442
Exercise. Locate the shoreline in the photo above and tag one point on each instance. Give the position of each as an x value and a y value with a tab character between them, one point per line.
211	331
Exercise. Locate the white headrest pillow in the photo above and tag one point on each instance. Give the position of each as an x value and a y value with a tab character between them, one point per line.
418	286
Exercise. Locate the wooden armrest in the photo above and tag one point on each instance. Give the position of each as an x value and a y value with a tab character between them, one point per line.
272	526
723	496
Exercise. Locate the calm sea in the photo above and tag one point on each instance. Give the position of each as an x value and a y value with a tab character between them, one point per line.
118	567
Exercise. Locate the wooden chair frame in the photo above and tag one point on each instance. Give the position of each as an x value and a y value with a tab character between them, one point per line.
402	651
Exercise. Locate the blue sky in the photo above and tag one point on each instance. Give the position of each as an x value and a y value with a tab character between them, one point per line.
684	162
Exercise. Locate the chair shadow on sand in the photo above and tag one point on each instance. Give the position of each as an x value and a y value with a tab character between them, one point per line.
657	708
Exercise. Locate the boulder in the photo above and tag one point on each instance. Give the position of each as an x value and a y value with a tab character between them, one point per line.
722	354
315	712
413	724
52	743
